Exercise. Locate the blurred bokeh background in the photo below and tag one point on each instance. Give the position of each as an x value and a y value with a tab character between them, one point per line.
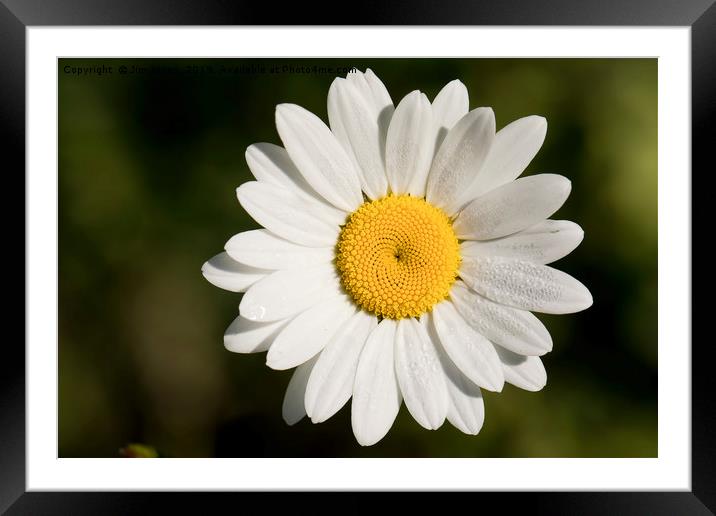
149	156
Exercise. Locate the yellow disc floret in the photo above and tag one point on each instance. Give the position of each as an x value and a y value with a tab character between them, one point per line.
397	256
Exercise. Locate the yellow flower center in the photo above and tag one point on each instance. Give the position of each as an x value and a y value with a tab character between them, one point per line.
397	256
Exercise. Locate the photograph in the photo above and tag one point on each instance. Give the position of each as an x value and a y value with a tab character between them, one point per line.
360	257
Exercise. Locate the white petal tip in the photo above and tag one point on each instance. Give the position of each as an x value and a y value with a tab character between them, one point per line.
240	190
534	387
276	363
229	345
367	440
318	414
247	313
469	429
579	232
590	299
291	420
429	421
588	302
583	300
564	184
485	110
497	388
283	110
251	312
232	348
211	278
317	419
368	436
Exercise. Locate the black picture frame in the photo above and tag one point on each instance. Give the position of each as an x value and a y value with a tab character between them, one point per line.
17	15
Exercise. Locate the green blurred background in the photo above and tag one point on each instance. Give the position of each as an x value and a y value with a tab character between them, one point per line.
149	157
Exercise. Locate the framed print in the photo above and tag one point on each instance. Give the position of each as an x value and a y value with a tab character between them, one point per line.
462	246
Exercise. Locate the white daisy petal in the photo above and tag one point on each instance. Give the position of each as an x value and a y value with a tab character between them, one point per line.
449	106
261	248
309	332
512	207
517	330
375	92
372	88
331	382
525	285
420	374
543	243
466	411
271	164
282	294
354	121
514	147
527	373
319	156
287	215
245	336
224	272
459	159
376	396
381	100
472	353
293	409
409	145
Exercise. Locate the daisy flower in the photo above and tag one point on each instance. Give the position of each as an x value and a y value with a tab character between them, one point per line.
400	257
